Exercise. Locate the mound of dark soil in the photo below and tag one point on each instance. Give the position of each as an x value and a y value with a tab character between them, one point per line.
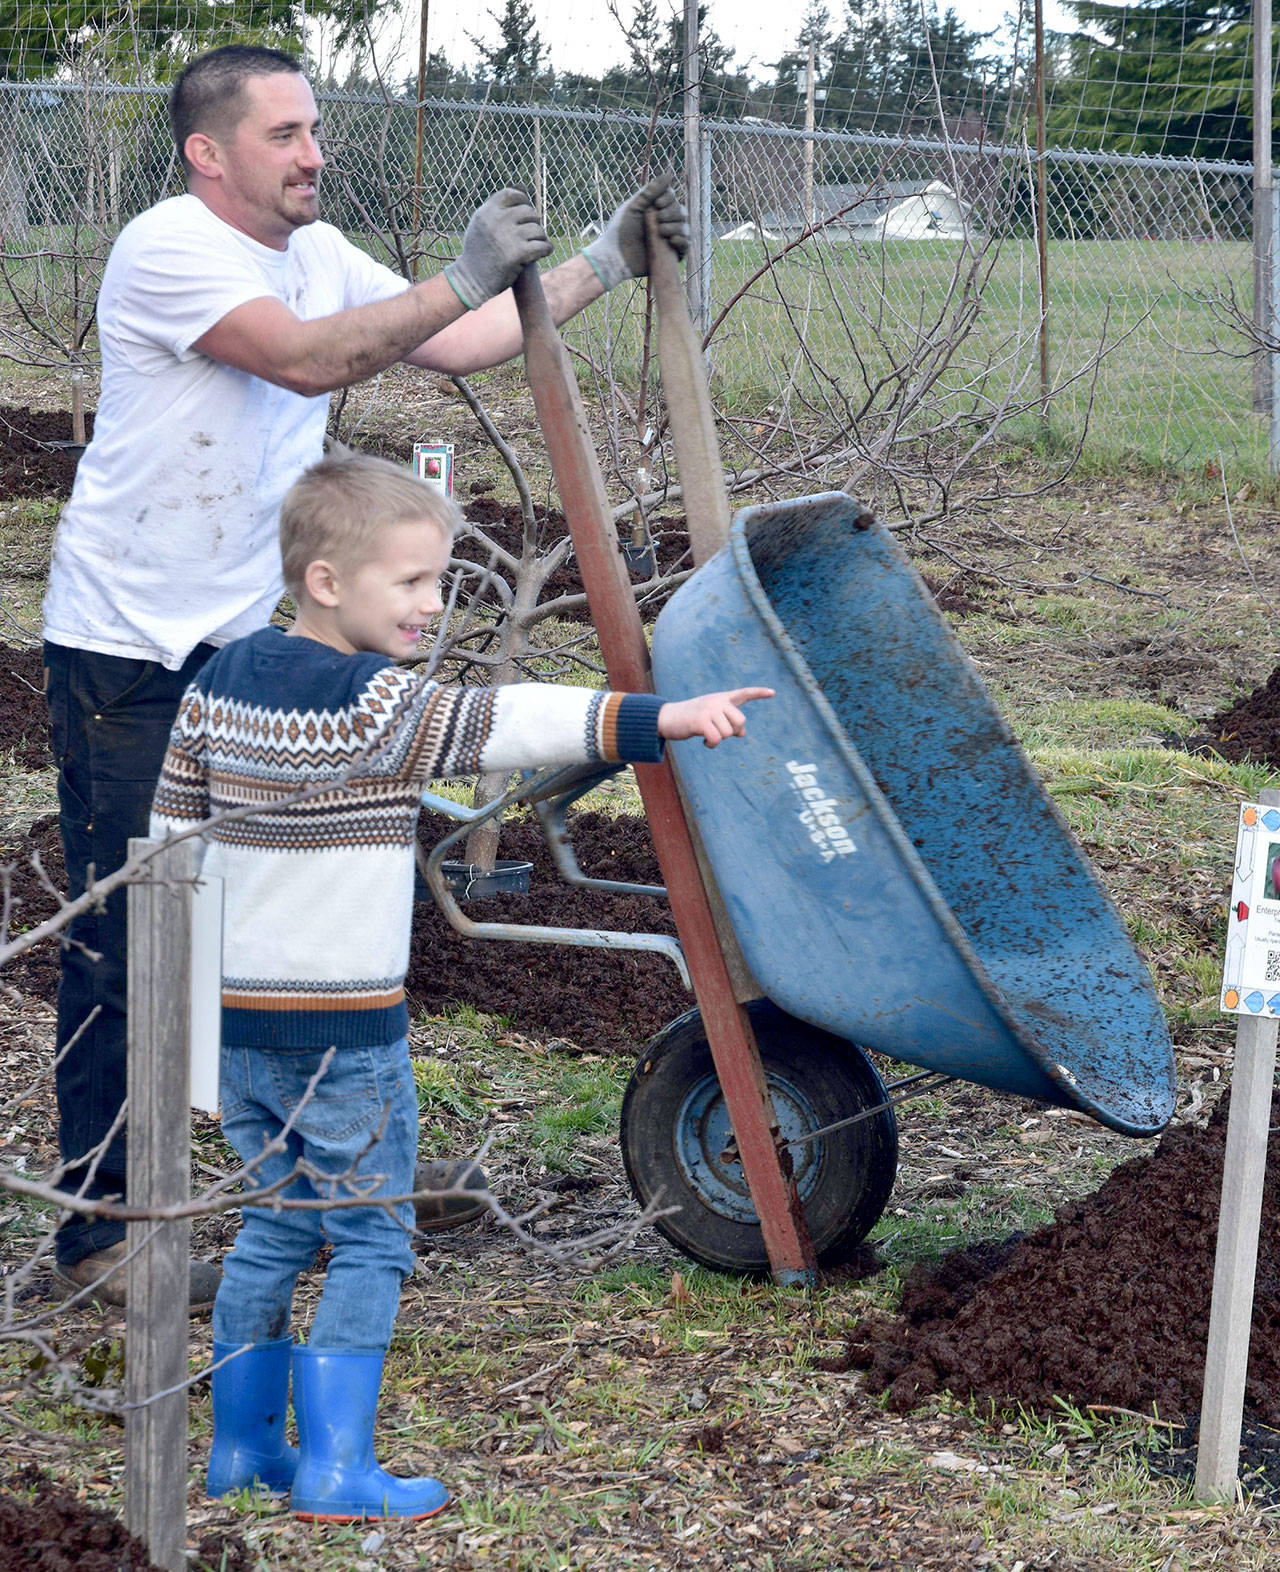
1108	1305
35	971
602	1000
34	458
24	713
501	523
1249	729
52	1531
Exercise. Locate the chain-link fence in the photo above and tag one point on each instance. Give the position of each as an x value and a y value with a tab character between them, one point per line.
840	264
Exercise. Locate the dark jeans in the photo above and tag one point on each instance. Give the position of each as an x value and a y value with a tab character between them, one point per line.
109	722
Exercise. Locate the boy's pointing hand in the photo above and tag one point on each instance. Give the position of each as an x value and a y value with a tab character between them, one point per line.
711	716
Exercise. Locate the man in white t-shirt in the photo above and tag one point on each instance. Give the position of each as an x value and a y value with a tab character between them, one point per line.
226	317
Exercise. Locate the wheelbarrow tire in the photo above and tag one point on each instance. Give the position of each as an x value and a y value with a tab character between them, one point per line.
675	1131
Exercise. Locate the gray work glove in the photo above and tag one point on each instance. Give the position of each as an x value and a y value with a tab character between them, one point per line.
504	234
622	252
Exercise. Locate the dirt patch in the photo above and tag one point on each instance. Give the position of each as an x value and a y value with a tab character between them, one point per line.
1259	1466
602	1000
24	712
1249	729
501	523
1109	1305
36	459
44	1526
607	1001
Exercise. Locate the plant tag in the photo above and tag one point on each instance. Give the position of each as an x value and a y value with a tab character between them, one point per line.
1251	969
433	462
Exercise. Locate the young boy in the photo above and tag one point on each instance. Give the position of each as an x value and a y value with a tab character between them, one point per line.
318	902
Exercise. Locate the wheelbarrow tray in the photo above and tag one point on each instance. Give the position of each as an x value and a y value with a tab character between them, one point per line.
892	868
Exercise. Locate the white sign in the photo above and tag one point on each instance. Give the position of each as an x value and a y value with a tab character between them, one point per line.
206	992
1251	970
433	462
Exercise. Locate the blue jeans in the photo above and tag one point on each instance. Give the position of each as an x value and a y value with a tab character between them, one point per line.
361	1120
109	724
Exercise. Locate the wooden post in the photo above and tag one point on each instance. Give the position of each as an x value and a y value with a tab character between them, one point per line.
423	17
1244	1168
159	1174
694	194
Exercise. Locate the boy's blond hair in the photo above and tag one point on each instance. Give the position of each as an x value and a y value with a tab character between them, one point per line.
335	510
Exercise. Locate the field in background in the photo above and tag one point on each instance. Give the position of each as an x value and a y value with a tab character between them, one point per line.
1136	350
1130	333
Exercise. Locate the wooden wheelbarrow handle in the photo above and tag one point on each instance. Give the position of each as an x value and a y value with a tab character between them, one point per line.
626	655
684	385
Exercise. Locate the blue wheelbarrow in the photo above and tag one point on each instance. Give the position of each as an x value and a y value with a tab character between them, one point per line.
896	879
874	869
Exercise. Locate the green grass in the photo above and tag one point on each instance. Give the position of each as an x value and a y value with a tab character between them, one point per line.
1105	723
578	1102
1163	394
476	1070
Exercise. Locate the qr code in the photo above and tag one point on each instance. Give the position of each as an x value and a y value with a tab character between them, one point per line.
1273	966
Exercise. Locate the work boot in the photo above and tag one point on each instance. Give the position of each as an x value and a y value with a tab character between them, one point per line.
250	1397
434	1213
104	1275
335	1401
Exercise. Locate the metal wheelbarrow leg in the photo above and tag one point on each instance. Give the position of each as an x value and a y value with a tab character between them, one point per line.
617	619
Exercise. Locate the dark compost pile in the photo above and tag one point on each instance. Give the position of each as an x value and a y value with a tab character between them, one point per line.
1109	1305
1249	729
45	1528
36	456
24	715
607	1002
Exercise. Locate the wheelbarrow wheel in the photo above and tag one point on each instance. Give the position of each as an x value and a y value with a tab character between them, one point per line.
677	1142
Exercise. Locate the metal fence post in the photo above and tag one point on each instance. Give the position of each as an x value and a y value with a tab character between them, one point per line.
1042	215
694	273
1270	358
159	1174
703	320
1263	206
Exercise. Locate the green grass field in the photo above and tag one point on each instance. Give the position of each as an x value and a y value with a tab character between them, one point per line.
1136	349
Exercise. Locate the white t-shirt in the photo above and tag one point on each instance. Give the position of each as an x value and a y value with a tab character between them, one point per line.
170	535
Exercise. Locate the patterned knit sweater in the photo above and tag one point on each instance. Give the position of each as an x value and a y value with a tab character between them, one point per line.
319	894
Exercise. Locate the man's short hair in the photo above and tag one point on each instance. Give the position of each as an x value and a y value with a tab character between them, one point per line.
335	510
209	95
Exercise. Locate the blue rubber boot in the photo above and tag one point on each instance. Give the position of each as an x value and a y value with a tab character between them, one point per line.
335	1399
250	1397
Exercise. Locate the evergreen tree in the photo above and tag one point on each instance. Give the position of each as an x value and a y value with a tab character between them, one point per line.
792	69
724	91
646	76
944	69
864	86
40	37
515	62
1160	77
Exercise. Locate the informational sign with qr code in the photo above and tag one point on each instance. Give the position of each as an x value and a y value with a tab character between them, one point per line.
1251	970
